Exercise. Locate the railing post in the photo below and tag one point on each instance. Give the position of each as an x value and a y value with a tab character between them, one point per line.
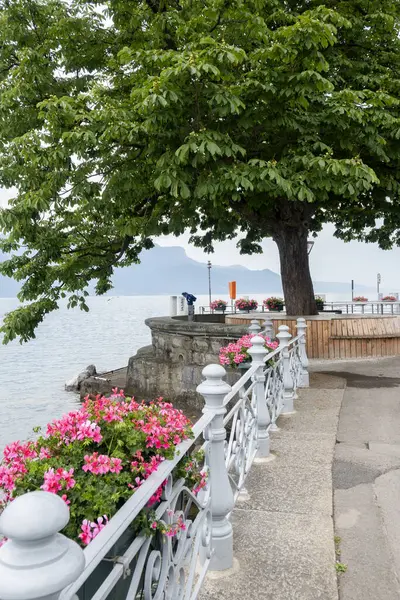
258	353
284	338
37	562
214	390
301	332
254	327
268	330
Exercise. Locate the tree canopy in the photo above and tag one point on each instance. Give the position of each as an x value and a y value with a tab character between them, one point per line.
123	120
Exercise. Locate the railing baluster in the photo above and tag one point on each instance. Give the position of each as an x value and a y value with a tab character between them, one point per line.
284	337
301	332
254	327
258	354
214	389
268	330
37	563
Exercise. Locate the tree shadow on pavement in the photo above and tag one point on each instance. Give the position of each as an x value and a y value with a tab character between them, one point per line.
358	380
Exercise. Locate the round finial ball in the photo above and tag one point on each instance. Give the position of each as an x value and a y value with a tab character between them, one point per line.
284	334
214	372
34	516
257	340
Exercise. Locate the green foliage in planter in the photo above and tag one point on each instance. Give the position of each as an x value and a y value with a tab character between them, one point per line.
97	457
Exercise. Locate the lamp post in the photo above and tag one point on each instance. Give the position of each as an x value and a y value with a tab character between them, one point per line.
378	282
209	265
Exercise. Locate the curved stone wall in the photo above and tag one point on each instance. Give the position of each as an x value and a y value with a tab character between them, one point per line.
171	367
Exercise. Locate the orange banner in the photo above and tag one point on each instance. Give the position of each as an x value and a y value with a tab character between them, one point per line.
232	290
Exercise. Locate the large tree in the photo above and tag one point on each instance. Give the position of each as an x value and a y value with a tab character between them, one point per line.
123	120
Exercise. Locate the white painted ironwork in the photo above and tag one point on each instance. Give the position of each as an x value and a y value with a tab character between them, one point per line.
241	448
368	307
161	567
295	365
304	380
274	388
284	338
214	390
259	355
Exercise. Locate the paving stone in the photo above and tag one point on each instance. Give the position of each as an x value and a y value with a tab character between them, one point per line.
387	492
364	547
298	488
280	557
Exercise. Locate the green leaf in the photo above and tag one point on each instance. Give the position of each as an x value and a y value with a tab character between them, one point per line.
220	119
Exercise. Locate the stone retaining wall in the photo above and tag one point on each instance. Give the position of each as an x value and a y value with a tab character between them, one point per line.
171	367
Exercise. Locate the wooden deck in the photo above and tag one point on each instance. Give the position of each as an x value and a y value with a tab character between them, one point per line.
340	336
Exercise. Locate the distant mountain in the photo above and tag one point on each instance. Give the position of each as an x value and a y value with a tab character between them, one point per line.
168	270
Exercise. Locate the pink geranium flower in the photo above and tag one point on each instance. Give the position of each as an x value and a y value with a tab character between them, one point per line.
90	529
98	456
236	353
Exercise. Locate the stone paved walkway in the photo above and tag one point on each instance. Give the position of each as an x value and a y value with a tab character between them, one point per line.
283	531
366	478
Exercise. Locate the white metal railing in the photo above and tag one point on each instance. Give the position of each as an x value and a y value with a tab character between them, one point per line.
375	307
231	309
369	307
39	563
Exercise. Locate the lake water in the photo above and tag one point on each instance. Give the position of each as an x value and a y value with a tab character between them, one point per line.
32	375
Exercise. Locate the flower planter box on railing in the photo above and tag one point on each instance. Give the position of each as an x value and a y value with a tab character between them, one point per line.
37	562
244	305
218	306
274	304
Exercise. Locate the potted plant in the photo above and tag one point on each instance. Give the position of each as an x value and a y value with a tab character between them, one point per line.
95	458
319	302
389	299
361	299
274	304
236	354
245	305
218	305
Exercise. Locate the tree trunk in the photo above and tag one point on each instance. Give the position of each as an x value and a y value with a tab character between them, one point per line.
295	271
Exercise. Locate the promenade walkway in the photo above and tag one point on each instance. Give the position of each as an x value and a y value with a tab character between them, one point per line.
366	479
285	526
283	529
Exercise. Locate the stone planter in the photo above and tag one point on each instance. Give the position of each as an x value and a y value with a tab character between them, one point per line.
172	366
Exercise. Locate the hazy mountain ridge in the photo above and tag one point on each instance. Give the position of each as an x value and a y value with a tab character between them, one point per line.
168	270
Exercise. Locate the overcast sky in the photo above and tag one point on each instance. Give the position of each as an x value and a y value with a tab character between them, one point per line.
331	259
